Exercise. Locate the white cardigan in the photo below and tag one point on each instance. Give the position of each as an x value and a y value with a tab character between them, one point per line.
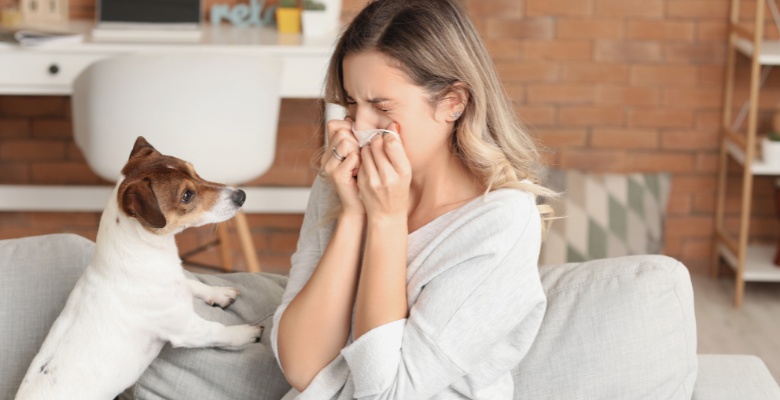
475	305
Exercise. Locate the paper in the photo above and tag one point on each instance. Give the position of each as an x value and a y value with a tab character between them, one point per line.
365	137
29	37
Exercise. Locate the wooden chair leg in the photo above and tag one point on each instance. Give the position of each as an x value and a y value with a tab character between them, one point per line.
247	246
224	247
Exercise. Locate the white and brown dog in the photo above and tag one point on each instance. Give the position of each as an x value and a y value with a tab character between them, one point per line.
133	297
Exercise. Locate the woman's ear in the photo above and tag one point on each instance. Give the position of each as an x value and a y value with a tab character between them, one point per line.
454	102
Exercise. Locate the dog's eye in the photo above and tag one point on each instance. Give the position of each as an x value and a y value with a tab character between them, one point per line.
187	196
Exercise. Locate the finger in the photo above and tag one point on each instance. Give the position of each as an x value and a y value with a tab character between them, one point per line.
337	127
383	164
395	151
367	172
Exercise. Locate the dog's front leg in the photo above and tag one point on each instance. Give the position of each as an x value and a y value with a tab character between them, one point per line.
213	295
198	332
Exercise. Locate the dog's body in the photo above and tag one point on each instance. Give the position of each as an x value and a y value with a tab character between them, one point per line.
133	297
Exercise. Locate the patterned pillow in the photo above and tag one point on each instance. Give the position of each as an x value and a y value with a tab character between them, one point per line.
605	215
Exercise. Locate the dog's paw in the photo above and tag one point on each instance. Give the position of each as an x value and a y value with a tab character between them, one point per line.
241	335
222	297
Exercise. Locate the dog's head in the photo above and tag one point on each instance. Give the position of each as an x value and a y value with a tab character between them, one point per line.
166	195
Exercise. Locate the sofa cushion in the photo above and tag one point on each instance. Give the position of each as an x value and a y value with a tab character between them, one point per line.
250	372
727	377
620	328
36	276
605	215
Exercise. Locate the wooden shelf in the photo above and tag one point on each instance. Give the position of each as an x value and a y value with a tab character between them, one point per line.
770	50
758	262
757	167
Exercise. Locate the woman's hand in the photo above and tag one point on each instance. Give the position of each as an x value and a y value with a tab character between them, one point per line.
343	171
384	178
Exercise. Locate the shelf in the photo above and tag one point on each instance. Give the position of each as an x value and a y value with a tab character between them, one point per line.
770	50
758	167
758	263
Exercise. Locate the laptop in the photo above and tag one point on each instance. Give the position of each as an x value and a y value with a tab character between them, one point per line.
147	20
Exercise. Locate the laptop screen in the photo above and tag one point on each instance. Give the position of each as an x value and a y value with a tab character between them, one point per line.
149	11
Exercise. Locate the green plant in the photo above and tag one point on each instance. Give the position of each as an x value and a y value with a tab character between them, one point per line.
774	136
288	3
313	5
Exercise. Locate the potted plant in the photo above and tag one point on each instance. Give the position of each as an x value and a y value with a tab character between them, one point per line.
288	17
314	19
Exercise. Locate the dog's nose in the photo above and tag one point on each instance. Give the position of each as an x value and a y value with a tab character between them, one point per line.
238	197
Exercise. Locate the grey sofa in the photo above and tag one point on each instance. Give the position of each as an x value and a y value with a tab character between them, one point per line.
620	328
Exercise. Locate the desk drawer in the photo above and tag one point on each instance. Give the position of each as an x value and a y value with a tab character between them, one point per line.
43	69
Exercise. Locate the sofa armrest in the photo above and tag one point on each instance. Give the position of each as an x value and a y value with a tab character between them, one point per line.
37	275
728	377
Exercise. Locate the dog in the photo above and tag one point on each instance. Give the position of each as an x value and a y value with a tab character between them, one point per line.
133	297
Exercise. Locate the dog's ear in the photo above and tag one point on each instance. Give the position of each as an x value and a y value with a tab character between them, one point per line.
142	148
138	200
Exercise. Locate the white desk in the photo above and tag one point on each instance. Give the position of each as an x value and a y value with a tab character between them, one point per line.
51	69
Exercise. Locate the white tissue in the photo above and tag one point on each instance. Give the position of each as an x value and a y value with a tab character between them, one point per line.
364	137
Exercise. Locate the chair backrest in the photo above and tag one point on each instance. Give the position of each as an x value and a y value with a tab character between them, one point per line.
220	112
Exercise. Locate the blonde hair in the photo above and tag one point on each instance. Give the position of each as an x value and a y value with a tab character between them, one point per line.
436	45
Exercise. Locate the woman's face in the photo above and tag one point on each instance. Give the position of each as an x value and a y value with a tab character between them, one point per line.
380	94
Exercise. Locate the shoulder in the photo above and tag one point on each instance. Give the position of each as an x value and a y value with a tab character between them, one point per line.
506	210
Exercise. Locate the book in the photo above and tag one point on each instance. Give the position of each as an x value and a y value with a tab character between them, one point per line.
146	33
34	37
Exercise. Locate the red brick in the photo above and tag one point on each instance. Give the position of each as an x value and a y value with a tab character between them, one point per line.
593	160
516	92
589	29
487	8
559	50
52	128
595	72
534	28
712	31
591	116
527	72
63	173
704	203
563	137
660	162
711	75
654	117
612	51
32	106
707	163
505	49
578	8
695	184
664	75
14	128
283	242
698	9
679	204
624	139
630	8
709	120
660	30
697	53
689	227
17	172
560	93
32	150
693	97
628	95
536	115
689	140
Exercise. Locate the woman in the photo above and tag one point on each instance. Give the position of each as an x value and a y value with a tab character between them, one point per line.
415	274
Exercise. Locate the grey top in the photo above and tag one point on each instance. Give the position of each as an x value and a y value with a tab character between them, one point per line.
475	305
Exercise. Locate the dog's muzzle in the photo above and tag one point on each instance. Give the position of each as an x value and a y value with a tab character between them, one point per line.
238	197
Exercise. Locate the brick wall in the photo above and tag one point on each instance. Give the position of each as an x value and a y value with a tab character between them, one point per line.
605	85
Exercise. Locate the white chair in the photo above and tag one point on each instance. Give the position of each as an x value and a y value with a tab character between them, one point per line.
218	111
